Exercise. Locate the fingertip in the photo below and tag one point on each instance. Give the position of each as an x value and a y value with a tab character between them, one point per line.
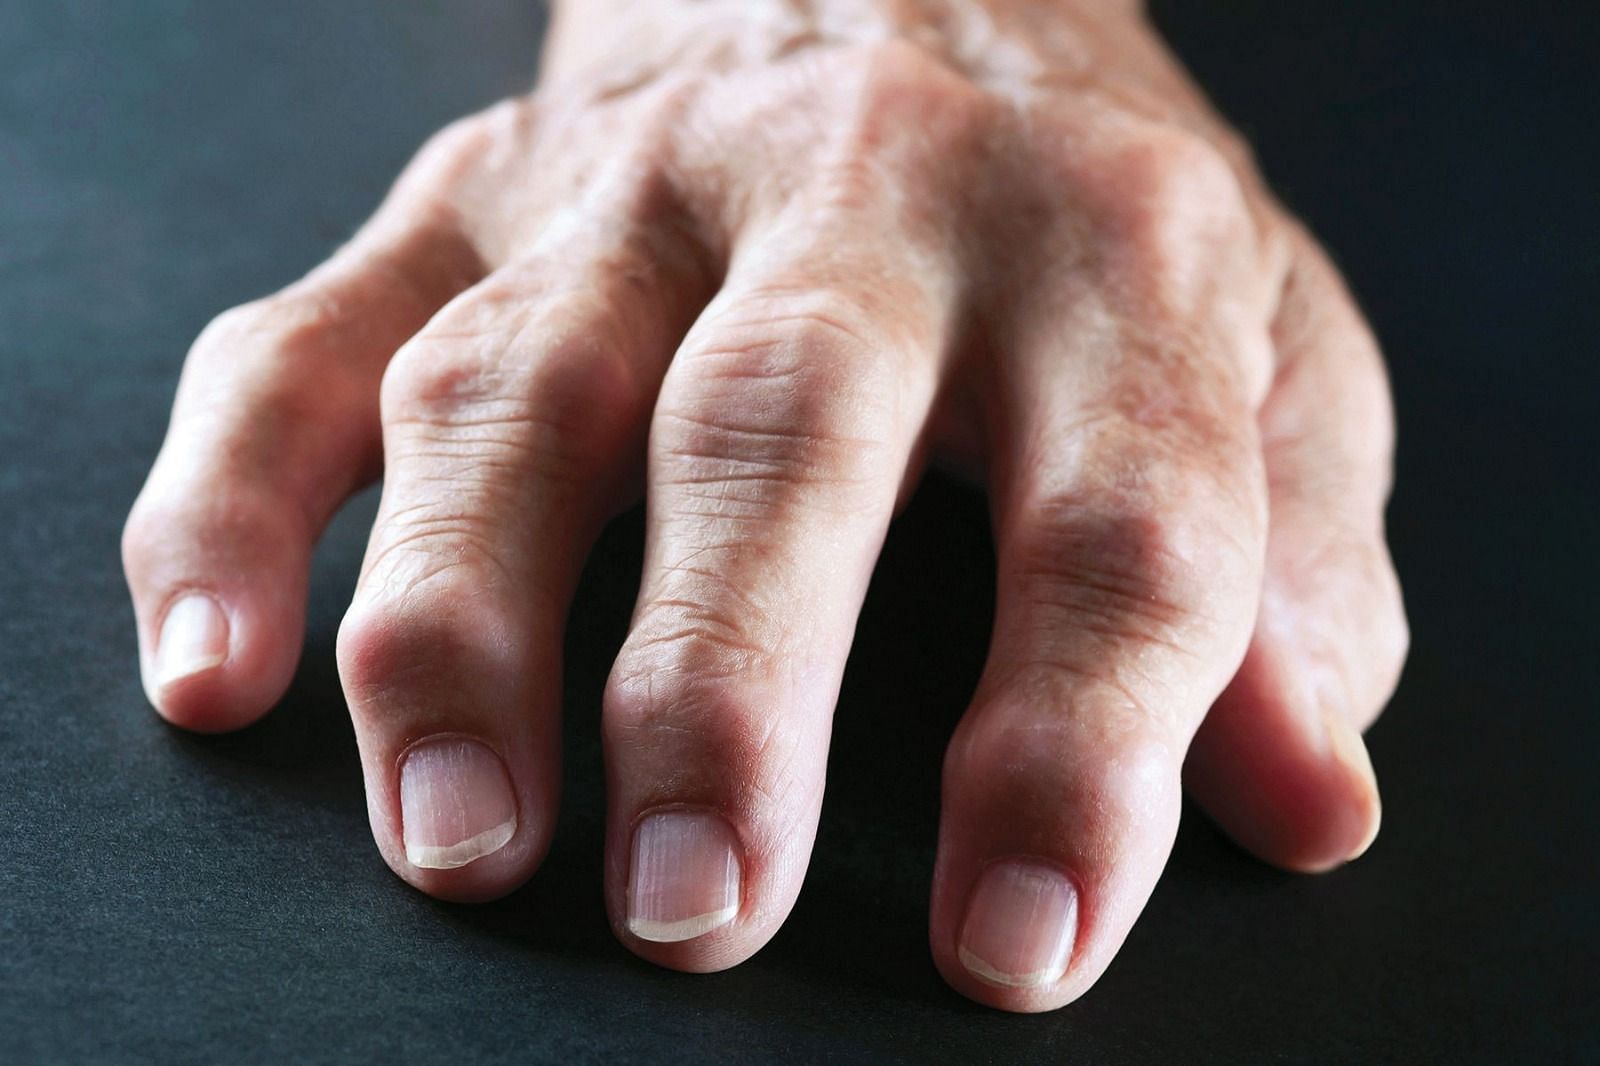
1355	813
1297	800
476	866
217	569
1054	830
203	703
452	691
479	869
214	667
1020	924
715	791
686	876
466	832
490	868
1015	937
690	892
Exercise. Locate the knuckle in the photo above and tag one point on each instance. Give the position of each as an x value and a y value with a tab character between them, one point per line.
1234	148
1172	443
1394	645
202	524
272	361
701	627
1162	198
788	390
1178	407
442	631
138	535
1331	361
901	116
1183	437
795	323
228	329
448	542
669	709
282	330
1390	628
265	394
146	525
147	535
1335	599
1130	568
1170	173
534	395
724	737
1133	570
454	153
1053	743
897	78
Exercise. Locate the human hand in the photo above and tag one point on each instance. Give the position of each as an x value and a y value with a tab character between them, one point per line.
764	262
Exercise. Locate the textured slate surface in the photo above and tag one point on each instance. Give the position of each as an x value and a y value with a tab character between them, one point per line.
176	898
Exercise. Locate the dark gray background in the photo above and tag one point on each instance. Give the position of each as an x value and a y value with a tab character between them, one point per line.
176	898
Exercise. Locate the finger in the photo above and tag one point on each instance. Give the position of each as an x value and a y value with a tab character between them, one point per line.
275	424
1129	511
1279	761
513	426
782	434
1129	564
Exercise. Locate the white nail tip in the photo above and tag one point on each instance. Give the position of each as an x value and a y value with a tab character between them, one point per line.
982	970
685	878
174	672
454	856
683	929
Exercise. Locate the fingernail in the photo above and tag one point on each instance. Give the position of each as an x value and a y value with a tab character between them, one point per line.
685	876
456	803
194	638
1348	747
1020	925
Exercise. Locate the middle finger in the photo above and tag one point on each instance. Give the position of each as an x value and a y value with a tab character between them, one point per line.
784	430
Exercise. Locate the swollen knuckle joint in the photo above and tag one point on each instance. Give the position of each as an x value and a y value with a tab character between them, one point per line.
795	395
1165	196
443	630
282	332
559	411
1122	567
691	636
724	732
1134	572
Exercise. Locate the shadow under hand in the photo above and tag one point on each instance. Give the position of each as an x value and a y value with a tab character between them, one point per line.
919	649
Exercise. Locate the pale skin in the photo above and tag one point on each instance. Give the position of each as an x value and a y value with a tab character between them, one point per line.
761	263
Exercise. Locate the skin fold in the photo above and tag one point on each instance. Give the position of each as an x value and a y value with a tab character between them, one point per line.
762	262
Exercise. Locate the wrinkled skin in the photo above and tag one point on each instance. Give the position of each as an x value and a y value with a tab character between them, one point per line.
762	263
